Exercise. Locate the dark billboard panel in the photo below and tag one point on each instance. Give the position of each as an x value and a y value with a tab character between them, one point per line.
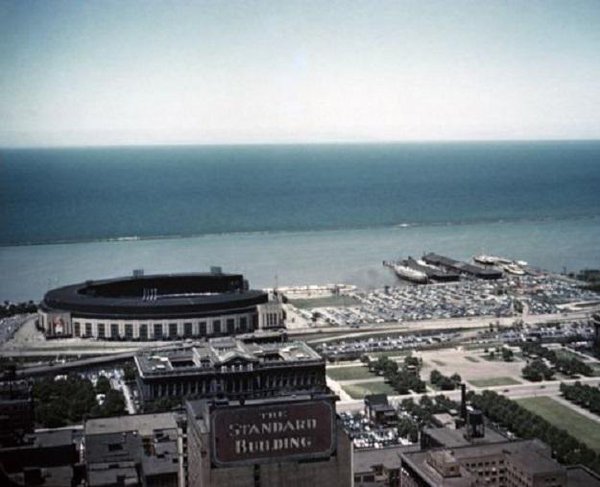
273	432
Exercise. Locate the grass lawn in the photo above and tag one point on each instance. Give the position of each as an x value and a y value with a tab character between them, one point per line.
496	358
493	381
471	359
349	373
361	389
582	428
438	362
563	352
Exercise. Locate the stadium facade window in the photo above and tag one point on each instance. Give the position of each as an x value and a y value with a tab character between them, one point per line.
101	332
217	327
230	325
172	330
114	330
143	331
243	323
77	329
202	327
158	331
187	330
128	331
88	329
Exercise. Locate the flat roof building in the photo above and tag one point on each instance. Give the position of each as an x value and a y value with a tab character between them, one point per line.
379	467
232	368
16	412
48	458
291	441
379	411
145	449
525	463
462	267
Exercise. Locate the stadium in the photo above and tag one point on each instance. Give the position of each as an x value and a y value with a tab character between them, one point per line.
158	307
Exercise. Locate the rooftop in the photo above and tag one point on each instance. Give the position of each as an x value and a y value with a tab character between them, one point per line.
113	448
144	424
119	446
578	476
367	458
223	351
105	474
452	438
44	439
532	456
418	462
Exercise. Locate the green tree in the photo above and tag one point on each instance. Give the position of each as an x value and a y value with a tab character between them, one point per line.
114	404
103	385
129	372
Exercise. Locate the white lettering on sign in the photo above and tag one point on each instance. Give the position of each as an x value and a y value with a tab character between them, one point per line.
276	444
261	434
271	427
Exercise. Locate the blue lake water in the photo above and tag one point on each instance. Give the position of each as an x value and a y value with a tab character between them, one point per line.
291	214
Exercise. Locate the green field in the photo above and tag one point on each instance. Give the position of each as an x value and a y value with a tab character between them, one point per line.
361	389
564	353
496	358
349	373
494	381
471	359
582	428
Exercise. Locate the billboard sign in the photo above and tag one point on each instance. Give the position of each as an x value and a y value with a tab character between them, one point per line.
59	324
272	432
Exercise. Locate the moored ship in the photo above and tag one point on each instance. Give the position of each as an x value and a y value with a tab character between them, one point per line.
512	269
413	275
490	259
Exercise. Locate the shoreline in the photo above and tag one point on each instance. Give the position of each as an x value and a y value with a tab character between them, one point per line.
298	258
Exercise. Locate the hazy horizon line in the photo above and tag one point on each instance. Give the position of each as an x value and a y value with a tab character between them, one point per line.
294	143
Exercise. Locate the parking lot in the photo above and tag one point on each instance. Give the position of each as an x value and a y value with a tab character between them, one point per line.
11	325
533	295
366	435
397	344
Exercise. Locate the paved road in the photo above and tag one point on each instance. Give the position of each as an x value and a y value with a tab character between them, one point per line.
88	362
11	325
434	325
337	389
119	384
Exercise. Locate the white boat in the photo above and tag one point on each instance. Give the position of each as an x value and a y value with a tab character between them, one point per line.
421	262
410	274
513	269
490	260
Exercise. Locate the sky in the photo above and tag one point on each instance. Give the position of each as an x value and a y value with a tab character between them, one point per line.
193	72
